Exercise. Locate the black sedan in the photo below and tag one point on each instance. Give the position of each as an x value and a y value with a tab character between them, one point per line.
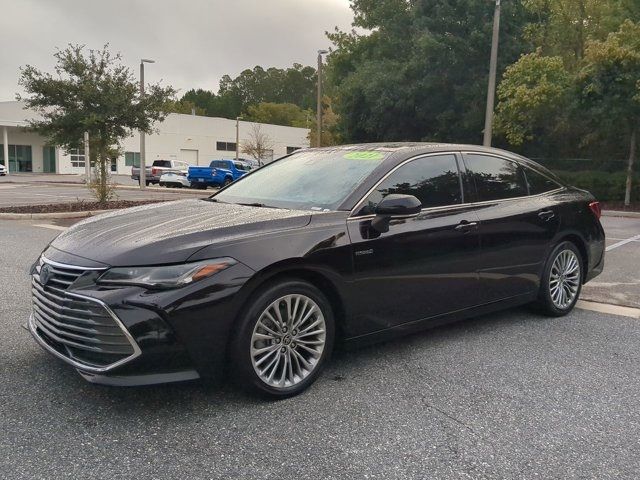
347	244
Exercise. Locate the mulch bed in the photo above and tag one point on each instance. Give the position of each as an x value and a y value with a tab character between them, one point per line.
619	206
77	206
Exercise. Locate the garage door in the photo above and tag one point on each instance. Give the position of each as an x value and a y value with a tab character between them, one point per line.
189	156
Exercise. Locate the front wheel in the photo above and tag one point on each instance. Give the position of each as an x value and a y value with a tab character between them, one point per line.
561	281
227	181
284	340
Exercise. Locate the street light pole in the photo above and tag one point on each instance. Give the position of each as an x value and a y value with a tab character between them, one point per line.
319	119
238	138
143	172
493	64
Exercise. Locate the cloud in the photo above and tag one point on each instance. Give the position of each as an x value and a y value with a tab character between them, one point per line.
194	42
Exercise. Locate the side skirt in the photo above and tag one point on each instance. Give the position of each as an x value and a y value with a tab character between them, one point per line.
431	322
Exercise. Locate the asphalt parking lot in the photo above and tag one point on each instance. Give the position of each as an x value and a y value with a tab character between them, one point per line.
509	395
19	194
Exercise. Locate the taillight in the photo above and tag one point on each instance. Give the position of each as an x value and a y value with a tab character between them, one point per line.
154	171
595	208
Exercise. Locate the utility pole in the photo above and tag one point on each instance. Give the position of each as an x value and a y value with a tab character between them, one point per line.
143	172
493	66
319	119
238	138
87	159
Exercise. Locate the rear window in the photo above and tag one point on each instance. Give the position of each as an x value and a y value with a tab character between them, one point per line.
219	164
162	163
538	183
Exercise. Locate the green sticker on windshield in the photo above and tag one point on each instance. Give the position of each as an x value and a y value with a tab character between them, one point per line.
364	156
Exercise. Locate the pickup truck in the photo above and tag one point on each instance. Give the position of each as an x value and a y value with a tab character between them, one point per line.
157	168
219	173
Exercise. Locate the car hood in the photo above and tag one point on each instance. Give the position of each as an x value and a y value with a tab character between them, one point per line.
170	232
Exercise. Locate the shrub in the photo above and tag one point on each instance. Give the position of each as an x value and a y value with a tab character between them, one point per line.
607	187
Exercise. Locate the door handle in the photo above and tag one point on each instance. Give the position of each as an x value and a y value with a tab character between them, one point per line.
465	226
546	215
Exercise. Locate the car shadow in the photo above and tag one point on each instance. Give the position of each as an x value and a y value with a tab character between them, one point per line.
68	390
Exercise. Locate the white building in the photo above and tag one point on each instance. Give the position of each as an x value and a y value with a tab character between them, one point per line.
193	139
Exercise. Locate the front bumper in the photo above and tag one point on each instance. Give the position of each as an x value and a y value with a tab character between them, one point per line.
175	335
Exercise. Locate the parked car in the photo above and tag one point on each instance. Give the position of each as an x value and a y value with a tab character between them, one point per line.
175	180
344	244
219	173
3	170
157	168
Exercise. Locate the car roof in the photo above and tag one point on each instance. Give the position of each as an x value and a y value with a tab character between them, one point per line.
400	151
413	148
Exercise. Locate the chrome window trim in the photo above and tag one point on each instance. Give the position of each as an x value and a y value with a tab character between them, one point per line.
502	157
69	267
455	205
80	365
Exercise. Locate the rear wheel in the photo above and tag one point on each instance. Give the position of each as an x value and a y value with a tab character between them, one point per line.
561	281
284	341
227	181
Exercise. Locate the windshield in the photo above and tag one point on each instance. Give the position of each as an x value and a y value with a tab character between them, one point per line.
313	180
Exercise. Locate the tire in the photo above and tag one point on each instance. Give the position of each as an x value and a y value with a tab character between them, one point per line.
561	281
227	181
266	373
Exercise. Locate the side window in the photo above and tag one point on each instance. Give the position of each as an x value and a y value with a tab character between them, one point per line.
238	166
434	180
538	183
496	178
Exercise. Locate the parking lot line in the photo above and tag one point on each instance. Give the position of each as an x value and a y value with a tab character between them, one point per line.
622	242
51	227
609	309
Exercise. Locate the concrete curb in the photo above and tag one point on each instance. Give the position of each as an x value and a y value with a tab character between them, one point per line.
50	216
171	191
616	213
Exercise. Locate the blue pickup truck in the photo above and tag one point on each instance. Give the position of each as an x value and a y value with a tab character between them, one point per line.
219	173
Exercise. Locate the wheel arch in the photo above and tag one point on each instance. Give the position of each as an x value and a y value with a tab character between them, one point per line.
581	245
326	280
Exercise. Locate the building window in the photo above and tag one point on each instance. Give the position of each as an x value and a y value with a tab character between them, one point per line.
132	159
290	150
77	157
19	158
226	146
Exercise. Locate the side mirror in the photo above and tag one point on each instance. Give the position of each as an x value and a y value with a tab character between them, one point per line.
394	205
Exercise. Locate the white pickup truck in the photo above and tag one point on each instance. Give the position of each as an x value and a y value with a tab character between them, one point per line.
157	168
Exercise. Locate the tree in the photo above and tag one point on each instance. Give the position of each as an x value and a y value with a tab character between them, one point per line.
295	85
330	133
185	107
286	114
610	87
92	92
564	27
259	145
533	90
421	70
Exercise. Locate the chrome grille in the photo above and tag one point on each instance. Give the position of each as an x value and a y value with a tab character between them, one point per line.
81	330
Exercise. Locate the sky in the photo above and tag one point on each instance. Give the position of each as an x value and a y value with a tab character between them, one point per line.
194	42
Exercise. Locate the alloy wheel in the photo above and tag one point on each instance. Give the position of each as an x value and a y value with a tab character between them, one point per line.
564	279
288	340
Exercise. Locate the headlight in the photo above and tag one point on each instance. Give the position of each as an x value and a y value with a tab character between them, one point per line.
165	276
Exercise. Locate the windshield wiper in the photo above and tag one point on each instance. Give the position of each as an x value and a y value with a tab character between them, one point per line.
256	204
